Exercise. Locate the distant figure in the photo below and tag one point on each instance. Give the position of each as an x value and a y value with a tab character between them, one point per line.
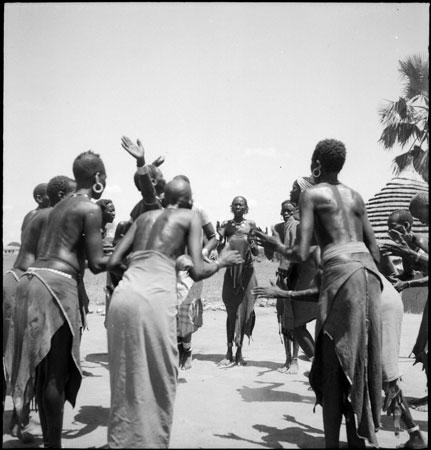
108	214
346	373
141	325
236	234
41	198
48	295
58	188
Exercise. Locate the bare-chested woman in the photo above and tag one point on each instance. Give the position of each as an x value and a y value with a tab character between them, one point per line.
346	372
238	280
48	293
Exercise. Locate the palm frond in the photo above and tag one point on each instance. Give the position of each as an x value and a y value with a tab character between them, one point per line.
414	71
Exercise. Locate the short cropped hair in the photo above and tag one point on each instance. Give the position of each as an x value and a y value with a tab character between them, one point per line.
401	215
103	203
331	154
245	200
58	184
418	202
86	165
40	189
182	177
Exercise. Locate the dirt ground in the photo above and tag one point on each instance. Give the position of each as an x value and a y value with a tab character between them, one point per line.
217	407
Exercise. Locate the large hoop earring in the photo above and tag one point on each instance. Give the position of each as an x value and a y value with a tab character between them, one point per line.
98	187
316	172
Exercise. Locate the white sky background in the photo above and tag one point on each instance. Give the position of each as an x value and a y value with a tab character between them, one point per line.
235	96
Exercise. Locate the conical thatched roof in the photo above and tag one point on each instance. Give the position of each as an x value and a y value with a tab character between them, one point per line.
395	195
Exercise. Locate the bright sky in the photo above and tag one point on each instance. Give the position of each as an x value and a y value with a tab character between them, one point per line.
234	95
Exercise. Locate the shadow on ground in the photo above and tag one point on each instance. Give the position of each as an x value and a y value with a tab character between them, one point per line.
268	393
216	358
274	437
92	417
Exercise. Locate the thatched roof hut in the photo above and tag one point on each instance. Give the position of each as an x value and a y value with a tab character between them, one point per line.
396	194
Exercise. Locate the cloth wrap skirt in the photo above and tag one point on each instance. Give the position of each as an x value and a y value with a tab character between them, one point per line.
239	281
349	314
392	319
143	353
45	300
190	308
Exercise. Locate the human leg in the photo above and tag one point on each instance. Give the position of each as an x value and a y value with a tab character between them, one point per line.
186	360
230	333
332	398
57	369
293	366
305	340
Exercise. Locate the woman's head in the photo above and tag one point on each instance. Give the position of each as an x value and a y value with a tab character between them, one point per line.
89	172
239	205
108	211
328	156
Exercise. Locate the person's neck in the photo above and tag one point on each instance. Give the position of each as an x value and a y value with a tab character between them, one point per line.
83	193
238	219
330	177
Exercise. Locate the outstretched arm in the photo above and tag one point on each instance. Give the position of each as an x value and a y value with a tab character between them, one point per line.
310	295
200	269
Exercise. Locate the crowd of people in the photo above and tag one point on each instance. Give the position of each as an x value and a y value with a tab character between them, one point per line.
331	269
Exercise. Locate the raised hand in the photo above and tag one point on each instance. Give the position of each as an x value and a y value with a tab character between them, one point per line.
136	150
159	161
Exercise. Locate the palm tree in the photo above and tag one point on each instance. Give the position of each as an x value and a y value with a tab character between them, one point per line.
405	121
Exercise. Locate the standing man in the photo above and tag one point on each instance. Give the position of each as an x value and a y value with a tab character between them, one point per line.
346	372
142	328
49	328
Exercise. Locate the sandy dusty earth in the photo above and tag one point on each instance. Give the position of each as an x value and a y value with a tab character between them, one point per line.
216	407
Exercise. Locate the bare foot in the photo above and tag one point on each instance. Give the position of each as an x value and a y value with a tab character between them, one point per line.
416	440
228	359
239	359
294	368
187	361
420	404
283	369
423	408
